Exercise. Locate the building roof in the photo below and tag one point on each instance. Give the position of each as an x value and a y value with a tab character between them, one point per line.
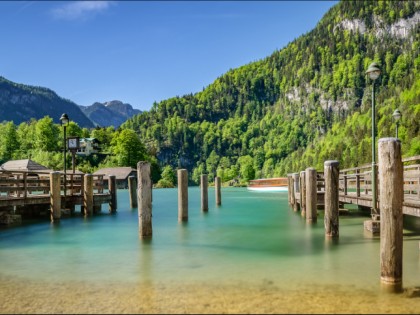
121	173
23	165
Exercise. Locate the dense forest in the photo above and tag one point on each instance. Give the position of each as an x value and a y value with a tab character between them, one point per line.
304	104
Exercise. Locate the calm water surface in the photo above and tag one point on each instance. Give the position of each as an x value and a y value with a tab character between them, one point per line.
252	237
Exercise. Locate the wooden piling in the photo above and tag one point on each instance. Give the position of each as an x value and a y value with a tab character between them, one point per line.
302	194
55	196
292	196
391	199
132	190
217	186
204	192
296	190
88	195
289	189
144	195
311	194
331	203
182	195
112	185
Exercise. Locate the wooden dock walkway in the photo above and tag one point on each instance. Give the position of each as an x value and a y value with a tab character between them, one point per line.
355	187
26	194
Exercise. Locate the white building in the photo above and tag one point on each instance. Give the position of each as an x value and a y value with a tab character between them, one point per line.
88	146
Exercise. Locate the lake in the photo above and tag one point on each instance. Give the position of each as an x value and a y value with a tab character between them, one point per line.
252	254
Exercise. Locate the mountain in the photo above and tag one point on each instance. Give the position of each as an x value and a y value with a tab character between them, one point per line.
112	113
304	104
19	103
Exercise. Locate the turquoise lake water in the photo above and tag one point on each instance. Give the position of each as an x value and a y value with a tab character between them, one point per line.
253	237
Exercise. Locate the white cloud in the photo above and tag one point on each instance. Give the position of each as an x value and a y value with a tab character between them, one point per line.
80	9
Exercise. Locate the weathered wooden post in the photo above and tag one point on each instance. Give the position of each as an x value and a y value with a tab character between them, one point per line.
292	191
88	194
133	191
55	196
182	195
302	194
289	189
144	195
391	199
204	192
112	185
311	194
296	190
331	203
217	186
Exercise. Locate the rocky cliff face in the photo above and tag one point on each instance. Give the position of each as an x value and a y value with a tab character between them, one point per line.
112	113
19	103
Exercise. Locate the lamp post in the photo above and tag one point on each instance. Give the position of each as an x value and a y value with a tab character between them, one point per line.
373	72
64	119
397	116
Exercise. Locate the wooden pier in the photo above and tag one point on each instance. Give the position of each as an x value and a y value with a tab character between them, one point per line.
355	187
28	194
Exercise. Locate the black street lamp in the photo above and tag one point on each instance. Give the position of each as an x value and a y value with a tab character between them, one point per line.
64	119
373	72
397	116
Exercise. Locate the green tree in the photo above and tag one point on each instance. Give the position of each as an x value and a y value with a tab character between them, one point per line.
128	148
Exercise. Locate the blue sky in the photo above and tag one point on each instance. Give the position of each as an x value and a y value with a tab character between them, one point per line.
139	52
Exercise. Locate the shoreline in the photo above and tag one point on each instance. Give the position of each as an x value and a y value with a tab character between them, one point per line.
29	297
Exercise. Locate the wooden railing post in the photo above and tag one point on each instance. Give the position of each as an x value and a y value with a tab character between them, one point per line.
357	183
182	195
133	191
112	185
204	192
331	182
217	186
289	189
391	199
55	196
311	194
144	194
88	194
302	194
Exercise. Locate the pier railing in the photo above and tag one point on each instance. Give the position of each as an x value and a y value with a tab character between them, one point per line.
355	186
23	193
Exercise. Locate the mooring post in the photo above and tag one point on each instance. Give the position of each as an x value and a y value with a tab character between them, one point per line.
204	184
132	190
144	195
302	194
217	186
311	194
88	194
112	185
331	203
292	192
296	190
182	195
55	196
391	199
289	189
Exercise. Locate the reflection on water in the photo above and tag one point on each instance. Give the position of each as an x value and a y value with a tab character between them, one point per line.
251	243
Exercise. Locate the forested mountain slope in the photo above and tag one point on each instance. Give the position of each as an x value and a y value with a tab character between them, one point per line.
302	105
21	103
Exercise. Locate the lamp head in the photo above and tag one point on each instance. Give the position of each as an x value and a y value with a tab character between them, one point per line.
373	71
397	115
64	119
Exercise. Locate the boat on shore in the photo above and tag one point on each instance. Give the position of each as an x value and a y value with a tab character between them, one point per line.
268	184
